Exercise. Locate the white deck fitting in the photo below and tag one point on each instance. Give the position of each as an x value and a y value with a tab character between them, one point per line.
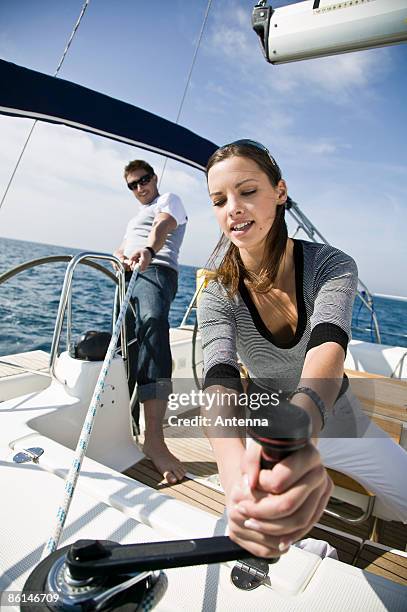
377	359
57	412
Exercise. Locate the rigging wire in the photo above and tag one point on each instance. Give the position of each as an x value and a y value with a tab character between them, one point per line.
208	8
61	61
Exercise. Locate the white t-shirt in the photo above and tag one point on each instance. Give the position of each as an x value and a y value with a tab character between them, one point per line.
139	228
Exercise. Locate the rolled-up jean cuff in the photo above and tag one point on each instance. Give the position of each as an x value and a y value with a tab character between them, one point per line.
159	390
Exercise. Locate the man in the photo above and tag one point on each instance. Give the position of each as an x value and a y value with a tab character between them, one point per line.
153	238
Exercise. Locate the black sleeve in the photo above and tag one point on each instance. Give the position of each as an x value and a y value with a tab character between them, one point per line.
225	375
328	332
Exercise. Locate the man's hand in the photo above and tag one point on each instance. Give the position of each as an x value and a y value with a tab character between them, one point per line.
120	255
142	257
270	509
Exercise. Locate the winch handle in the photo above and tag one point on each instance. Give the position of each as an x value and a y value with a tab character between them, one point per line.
288	430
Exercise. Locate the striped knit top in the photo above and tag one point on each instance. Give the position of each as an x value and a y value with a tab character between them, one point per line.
326	283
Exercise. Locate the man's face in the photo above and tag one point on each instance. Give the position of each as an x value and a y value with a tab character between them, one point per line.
144	185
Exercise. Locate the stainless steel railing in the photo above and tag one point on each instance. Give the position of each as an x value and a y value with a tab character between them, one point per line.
65	303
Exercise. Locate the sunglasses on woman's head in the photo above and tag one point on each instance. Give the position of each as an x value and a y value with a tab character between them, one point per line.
256	145
144	180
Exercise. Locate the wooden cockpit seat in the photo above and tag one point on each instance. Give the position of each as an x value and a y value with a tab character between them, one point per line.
383	561
384	399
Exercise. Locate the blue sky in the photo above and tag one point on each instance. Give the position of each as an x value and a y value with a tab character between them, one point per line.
337	126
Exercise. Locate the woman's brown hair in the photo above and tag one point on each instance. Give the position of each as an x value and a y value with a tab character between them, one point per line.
231	268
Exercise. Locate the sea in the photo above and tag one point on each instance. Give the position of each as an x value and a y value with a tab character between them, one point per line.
29	301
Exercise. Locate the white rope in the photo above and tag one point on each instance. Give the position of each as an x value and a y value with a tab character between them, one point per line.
84	437
61	61
208	7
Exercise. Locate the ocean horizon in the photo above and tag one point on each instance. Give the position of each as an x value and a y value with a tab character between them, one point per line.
391	297
29	301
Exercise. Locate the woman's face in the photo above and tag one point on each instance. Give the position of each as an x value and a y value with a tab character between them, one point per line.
244	200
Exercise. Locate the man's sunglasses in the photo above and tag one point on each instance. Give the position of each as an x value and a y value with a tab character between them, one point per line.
144	180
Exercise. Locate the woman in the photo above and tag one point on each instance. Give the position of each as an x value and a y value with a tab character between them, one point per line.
285	306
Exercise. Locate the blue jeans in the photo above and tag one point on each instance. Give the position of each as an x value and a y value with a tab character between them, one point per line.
150	357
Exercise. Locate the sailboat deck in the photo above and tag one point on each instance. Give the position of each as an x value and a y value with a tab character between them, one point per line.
198	460
23	373
21	363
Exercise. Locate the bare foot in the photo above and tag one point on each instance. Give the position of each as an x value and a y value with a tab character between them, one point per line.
165	462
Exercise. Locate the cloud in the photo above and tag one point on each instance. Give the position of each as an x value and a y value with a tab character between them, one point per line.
338	78
278	132
69	190
231	38
278	104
